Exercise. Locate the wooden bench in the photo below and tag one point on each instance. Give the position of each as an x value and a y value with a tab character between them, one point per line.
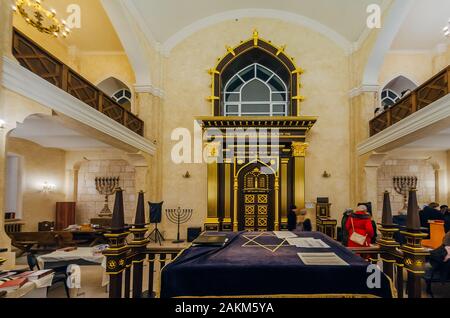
41	241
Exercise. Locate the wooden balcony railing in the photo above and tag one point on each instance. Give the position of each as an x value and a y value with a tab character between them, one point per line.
36	59
430	91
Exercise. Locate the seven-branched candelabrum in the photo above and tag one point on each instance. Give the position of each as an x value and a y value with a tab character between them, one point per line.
402	185
106	186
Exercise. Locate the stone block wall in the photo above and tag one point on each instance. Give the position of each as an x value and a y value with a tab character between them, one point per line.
90	202
406	167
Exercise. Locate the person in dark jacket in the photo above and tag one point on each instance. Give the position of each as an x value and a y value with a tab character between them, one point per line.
292	218
303	224
430	213
446	214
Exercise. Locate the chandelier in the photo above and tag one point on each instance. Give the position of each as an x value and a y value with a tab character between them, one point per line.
42	19
447	29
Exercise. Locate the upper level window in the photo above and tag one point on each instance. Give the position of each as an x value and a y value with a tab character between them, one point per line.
389	98
255	91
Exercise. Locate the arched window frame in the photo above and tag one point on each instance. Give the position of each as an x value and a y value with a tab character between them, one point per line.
271	102
388	95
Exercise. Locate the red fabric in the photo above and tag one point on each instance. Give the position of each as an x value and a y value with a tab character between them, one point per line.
362	226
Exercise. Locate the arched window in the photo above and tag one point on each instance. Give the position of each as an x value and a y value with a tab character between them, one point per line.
255	91
122	96
389	98
395	90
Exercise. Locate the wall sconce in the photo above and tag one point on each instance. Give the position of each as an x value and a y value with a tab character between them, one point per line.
187	175
2	124
326	174
48	187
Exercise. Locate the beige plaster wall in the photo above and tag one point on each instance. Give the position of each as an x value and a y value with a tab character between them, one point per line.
325	85
40	165
418	67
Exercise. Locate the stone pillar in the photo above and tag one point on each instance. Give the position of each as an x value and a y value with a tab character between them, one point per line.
371	189
5	50
362	108
148	109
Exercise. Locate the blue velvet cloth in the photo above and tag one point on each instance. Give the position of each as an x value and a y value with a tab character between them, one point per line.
237	270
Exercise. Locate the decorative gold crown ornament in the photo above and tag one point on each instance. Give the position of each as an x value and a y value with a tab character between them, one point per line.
41	18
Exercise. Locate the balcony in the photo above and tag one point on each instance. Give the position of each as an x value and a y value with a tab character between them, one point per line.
37	60
429	92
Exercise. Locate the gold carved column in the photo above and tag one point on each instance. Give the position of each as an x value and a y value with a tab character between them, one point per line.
226	222
299	154
212	221
284	191
277	203
235	208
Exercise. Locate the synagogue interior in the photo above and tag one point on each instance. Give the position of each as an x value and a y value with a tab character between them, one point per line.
147	146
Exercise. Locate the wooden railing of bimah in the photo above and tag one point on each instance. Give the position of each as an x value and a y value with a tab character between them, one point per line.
430	91
134	268
36	59
400	259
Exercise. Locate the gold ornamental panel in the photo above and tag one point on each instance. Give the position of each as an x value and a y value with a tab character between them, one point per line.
249	222
263	198
249	210
249	198
262	210
262	222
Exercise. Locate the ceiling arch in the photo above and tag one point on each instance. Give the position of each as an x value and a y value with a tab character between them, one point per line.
298	19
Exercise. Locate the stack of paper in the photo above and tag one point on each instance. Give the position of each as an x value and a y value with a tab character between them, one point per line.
284	234
307	242
322	259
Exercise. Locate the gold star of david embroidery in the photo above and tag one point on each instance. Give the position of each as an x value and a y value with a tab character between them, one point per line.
253	242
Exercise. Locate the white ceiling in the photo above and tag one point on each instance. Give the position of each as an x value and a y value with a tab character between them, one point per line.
163	19
422	29
435	142
49	133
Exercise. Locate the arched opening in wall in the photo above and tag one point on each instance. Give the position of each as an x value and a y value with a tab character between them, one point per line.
118	91
419	168
394	91
256	83
90	202
13	187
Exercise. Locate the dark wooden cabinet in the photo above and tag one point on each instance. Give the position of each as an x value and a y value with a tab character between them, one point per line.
65	215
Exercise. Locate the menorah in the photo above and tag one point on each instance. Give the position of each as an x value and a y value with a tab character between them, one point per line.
402	185
179	216
106	186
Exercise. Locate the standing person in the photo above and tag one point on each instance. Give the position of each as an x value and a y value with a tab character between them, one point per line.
304	224
292	218
446	214
359	227
344	232
430	213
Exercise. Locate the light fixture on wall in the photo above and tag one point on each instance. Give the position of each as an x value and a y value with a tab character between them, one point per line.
326	174
187	175
42	19
48	187
446	29
2	124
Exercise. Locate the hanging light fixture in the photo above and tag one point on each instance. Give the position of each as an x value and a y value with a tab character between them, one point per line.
446	29
41	18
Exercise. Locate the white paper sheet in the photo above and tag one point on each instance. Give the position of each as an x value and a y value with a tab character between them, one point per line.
284	234
322	259
307	242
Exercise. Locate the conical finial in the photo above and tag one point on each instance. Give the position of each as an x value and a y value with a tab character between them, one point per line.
387	211
413	220
118	217
140	210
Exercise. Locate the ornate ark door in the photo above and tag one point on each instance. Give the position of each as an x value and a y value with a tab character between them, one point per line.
257	203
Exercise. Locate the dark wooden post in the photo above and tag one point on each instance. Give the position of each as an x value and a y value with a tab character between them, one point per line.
387	241
413	252
138	245
116	254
